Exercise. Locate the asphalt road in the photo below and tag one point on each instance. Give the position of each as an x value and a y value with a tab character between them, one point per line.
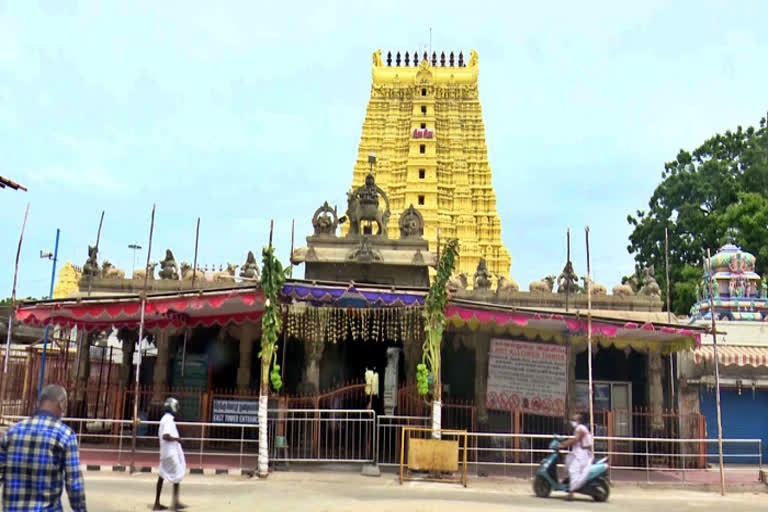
348	492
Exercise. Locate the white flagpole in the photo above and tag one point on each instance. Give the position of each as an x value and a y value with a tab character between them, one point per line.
589	337
717	374
141	335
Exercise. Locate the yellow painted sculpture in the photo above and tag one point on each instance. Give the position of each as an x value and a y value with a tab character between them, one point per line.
424	123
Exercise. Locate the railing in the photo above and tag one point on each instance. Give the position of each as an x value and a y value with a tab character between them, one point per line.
360	436
322	435
217	445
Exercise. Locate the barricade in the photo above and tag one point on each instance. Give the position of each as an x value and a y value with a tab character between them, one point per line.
323	435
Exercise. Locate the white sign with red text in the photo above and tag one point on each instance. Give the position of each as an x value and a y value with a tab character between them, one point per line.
527	376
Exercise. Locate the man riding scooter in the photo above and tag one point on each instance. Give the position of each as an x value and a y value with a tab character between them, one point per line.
579	460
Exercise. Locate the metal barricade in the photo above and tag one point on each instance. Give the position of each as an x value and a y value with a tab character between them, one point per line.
323	435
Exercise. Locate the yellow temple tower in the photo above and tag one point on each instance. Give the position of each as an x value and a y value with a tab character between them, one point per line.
424	123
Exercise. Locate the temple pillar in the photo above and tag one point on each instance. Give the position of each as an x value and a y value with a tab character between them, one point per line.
482	343
247	335
160	374
313	353
128	339
655	390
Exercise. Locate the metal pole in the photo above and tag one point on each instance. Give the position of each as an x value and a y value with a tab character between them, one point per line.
669	318
717	374
12	314
568	348
194	272
589	335
141	334
290	257
567	260
90	278
47	327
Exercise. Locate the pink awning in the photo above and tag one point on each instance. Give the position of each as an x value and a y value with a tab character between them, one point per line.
211	307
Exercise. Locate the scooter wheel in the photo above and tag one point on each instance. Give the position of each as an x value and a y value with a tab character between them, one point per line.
601	490
542	487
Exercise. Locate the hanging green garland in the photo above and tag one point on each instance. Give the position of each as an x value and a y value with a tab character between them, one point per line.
272	280
434	316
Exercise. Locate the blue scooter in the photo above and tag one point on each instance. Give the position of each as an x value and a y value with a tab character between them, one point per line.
546	477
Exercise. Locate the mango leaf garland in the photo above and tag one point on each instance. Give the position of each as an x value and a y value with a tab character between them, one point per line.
434	315
272	280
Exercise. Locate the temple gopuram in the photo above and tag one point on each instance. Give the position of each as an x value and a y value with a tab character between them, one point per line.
739	303
425	125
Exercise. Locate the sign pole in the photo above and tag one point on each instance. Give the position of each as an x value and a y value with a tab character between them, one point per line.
141	334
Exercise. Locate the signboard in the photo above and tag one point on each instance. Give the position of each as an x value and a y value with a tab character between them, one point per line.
601	396
526	376
235	411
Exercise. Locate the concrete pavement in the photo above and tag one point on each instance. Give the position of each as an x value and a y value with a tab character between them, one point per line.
348	492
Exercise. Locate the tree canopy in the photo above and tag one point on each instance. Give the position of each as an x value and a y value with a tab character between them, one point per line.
718	193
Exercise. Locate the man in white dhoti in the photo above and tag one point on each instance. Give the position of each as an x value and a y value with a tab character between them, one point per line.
172	463
579	460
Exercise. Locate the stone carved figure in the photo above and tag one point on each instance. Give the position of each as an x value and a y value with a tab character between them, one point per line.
545	285
168	267
363	205
250	269
91	266
623	290
505	285
597	288
458	282
568	280
411	224
365	253
149	272
650	286
482	279
187	273
391	380
226	275
109	271
325	220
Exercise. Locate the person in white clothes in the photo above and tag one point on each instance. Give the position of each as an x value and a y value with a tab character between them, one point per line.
579	460
172	463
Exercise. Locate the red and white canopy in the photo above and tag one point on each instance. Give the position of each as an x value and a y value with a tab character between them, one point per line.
183	309
732	355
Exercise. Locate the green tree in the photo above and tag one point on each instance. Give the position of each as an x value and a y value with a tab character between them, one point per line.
719	189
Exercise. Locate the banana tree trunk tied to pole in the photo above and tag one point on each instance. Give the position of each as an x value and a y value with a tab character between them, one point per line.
272	280
434	315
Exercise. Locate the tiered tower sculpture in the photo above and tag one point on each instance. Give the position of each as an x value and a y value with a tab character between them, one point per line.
424	124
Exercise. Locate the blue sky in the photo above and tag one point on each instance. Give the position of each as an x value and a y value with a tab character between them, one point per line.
238	112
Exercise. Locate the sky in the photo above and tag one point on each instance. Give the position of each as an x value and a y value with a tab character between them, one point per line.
242	112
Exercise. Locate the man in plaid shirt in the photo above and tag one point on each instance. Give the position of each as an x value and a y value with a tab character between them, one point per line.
38	457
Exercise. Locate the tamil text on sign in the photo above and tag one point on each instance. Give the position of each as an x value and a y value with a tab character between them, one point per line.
235	411
527	376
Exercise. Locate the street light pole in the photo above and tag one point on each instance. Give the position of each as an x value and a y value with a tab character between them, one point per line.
54	258
134	247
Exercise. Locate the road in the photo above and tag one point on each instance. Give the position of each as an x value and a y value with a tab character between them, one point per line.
351	492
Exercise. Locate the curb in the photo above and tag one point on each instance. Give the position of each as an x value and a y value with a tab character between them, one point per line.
94	468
